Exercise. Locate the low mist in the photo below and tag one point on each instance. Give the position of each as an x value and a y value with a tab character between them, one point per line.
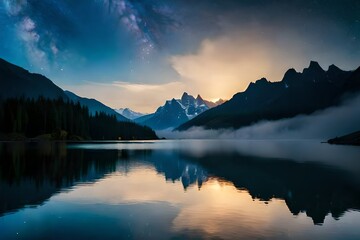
323	124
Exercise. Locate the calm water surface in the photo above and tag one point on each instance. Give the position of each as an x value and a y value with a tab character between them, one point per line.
191	189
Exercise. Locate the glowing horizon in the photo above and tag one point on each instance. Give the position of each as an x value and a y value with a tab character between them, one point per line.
139	54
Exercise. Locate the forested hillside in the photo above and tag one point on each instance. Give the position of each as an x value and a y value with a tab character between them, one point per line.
64	120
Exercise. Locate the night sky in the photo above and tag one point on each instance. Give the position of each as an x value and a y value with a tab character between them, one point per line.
138	53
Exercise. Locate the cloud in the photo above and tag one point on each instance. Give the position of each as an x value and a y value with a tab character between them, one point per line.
139	96
246	50
147	22
324	124
141	88
29	33
226	65
13	8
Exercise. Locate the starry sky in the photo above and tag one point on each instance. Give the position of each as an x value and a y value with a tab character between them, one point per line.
138	53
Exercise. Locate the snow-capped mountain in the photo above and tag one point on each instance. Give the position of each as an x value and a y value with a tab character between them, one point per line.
128	113
193	106
176	112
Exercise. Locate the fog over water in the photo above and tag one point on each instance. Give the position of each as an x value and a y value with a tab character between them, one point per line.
194	189
323	124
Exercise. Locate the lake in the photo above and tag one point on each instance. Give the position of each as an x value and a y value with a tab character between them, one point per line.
180	189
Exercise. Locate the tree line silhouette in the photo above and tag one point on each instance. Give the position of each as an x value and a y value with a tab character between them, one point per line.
65	120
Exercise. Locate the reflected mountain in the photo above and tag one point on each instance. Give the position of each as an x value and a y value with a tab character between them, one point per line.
306	187
175	168
31	173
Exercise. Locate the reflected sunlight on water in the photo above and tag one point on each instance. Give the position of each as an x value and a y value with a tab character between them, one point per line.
216	209
170	189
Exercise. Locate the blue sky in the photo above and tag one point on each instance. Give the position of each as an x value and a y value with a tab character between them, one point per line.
138	53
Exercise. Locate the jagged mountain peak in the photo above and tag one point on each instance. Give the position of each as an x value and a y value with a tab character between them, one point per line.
262	81
130	114
200	101
258	83
314	67
186	99
185	94
173	101
314	64
314	89
291	75
333	69
177	111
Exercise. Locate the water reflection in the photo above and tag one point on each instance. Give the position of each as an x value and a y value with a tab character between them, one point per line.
239	192
306	187
32	173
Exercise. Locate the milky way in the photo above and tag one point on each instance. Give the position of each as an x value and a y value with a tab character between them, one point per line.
146	21
212	47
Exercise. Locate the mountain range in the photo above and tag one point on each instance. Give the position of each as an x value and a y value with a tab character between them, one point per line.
297	93
16	82
94	106
130	114
177	111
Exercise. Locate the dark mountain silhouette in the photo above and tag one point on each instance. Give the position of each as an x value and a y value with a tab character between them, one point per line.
94	106
297	93
176	112
349	139
31	175
312	188
31	106
63	120
45	170
16	82
353	83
